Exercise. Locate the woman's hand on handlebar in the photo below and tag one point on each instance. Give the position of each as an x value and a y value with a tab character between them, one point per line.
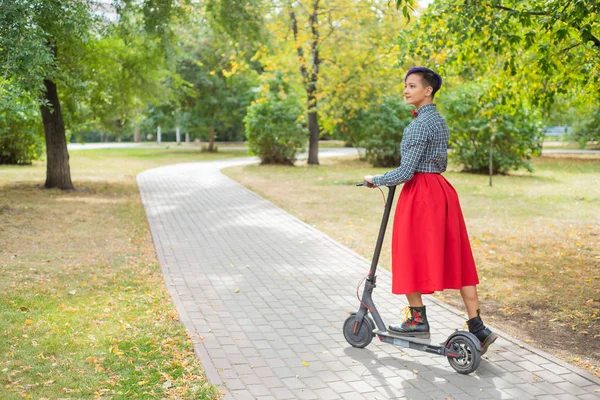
369	180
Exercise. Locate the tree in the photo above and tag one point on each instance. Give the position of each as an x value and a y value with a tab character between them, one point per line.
128	69
308	62
359	68
40	43
526	55
44	47
556	42
218	80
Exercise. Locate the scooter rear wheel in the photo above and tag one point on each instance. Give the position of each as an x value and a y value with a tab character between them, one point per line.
468	358
363	336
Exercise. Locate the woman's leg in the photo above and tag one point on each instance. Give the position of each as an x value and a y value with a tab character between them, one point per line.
469	296
415	299
416	324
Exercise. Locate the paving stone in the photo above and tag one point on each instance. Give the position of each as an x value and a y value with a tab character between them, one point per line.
297	286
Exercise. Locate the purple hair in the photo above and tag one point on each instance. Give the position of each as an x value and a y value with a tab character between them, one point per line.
437	78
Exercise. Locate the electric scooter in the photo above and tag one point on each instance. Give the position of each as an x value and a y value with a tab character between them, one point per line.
462	348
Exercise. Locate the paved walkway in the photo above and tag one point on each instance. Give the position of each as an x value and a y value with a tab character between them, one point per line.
265	295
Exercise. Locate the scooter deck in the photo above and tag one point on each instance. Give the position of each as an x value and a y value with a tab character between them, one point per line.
410	342
407	338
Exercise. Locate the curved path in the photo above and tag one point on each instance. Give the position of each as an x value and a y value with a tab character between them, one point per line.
264	296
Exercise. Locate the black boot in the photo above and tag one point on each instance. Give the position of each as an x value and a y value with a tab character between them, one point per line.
484	334
415	325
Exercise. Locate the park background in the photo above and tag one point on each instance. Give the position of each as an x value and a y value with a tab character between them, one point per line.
81	288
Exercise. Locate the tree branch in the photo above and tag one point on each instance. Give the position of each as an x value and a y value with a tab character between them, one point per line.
512	10
566	49
592	38
299	48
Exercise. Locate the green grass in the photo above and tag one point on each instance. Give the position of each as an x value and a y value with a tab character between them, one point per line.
84	309
535	238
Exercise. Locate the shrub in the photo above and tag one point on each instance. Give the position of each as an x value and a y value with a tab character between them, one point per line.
275	126
516	127
587	128
21	138
383	125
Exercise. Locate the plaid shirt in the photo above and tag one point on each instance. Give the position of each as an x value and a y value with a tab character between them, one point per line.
424	148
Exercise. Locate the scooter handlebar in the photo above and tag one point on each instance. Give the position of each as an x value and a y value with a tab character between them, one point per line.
365	183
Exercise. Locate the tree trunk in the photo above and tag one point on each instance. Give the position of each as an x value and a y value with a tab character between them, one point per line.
211	138
310	79
58	172
136	135
311	89
313	133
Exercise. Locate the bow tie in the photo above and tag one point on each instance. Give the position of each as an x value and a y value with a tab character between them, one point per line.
414	112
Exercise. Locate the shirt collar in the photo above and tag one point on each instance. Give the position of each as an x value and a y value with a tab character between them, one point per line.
426	108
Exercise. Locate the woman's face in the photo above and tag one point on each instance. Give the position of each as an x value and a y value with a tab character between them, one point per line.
415	92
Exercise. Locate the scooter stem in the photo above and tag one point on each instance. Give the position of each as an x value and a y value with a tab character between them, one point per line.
382	229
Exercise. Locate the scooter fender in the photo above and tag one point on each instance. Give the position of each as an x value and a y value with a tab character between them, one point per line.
465	334
360	315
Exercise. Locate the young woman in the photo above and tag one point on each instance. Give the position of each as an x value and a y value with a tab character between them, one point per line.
430	245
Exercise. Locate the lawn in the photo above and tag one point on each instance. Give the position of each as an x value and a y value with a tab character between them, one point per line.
535	237
84	309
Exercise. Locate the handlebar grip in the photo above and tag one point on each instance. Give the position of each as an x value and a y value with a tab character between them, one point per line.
364	183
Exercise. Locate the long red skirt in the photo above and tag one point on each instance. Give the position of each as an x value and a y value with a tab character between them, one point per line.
430	244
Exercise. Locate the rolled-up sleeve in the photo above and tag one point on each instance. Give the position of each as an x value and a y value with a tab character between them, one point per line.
412	149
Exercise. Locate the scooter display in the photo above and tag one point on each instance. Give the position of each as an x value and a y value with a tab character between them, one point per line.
462	348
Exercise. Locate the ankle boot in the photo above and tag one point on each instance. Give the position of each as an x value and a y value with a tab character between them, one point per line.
484	334
415	324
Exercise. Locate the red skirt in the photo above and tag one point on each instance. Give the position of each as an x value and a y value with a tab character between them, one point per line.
430	244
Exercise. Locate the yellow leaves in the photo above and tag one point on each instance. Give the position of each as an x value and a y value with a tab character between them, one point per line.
28	321
305	363
114	349
237	290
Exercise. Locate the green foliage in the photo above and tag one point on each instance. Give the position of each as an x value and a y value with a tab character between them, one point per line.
242	20
217	81
473	118
587	127
44	40
21	138
382	126
551	45
275	126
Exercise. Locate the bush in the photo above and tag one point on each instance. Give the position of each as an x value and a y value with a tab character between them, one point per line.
587	128
21	138
518	130
383	125
275	128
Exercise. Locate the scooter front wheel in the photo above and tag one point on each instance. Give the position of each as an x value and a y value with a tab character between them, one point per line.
359	336
469	355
